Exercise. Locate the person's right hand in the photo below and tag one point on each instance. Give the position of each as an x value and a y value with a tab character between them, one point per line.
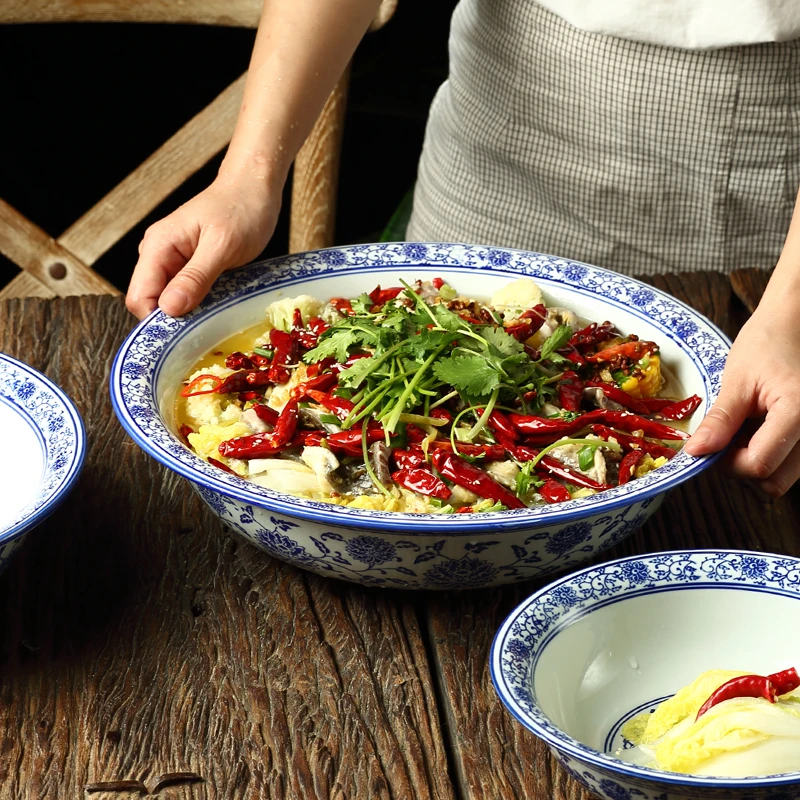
224	226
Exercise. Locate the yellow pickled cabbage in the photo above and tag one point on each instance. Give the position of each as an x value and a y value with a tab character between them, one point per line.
739	737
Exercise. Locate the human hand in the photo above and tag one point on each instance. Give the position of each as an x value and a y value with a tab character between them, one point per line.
180	256
761	381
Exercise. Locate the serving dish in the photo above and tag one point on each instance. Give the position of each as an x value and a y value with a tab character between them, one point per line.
44	433
588	652
408	550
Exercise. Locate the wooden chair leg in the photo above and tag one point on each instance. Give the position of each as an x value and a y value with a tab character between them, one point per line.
316	172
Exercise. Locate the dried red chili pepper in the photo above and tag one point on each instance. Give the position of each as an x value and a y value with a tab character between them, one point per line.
349	442
238	360
465	510
542	428
251	395
532	320
628	443
244	381
618	396
414	433
261	445
634	351
421	481
266	414
553	492
284	345
555	467
786	681
307	335
342	305
654	404
570	391
220	465
470	477
438	283
408	459
314	439
380	296
628	464
571	354
184	432
632	422
502	427
350	361
191	391
322	366
591	335
681	409
745	686
319	383
490	452
339	406
441	413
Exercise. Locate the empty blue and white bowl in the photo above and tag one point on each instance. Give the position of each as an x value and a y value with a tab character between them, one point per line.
585	654
408	550
44	444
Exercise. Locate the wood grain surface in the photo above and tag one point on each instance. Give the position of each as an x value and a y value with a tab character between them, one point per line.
147	652
493	756
141	640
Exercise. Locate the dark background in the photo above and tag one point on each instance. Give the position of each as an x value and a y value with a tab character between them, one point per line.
85	103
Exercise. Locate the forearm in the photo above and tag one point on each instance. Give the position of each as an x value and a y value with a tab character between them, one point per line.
301	49
783	290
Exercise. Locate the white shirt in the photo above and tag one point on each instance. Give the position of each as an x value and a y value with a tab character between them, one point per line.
690	24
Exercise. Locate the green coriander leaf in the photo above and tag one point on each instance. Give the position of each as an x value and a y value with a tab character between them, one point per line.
334	343
556	340
354	376
501	342
469	374
362	304
446	318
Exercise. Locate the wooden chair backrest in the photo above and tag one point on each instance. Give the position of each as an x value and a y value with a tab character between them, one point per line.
63	266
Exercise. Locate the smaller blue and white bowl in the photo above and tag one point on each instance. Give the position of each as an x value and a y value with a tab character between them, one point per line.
44	444
583	655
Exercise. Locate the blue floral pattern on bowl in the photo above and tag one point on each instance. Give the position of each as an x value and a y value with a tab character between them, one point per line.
522	543
524	635
53	416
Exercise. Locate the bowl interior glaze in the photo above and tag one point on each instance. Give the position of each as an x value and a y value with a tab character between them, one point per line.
603	666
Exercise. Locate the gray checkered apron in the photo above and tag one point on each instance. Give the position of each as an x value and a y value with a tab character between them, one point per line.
633	156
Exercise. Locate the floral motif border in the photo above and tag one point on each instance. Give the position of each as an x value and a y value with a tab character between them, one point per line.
60	427
136	364
528	628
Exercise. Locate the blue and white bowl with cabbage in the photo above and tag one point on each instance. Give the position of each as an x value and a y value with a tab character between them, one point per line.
45	445
380	548
589	652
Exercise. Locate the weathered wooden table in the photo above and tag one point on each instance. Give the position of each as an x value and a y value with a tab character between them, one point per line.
145	651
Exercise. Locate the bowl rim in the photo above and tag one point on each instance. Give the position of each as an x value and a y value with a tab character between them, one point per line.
278	273
59	492
567	744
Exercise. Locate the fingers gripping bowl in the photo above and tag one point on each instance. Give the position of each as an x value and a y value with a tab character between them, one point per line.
401	549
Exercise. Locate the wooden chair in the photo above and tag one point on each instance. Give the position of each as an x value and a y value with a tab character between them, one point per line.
63	266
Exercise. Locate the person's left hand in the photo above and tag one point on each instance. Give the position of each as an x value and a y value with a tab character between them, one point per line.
762	381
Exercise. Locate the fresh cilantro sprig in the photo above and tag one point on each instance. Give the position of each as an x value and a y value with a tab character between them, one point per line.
421	353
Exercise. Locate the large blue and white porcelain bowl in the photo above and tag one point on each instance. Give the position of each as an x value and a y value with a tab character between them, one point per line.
406	550
44	446
580	657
